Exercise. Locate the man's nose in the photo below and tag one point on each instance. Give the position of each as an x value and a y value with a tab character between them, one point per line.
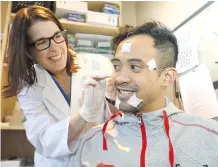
123	78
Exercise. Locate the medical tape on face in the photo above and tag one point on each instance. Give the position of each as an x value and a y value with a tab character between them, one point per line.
126	47
152	64
134	101
117	103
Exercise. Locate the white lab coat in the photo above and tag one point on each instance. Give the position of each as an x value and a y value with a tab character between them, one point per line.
48	115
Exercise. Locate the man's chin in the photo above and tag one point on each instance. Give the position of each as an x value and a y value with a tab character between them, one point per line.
126	108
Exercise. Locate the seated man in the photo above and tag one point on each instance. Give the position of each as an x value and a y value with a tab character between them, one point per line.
148	130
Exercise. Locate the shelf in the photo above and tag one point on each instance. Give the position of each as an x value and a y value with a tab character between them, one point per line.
12	127
76	27
98	5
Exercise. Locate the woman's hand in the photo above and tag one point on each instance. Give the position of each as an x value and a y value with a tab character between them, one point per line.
94	87
95	70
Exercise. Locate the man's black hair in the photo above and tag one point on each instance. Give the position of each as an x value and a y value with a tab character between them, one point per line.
164	41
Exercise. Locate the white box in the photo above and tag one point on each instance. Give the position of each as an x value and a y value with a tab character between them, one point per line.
14	163
63	7
102	18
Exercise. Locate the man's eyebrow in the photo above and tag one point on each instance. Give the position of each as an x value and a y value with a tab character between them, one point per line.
136	60
48	37
130	60
115	59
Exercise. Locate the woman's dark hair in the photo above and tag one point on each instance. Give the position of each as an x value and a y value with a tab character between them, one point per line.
21	71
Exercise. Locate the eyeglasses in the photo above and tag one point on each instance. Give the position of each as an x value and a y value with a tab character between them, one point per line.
45	43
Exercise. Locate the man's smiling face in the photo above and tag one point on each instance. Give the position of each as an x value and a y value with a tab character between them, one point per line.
132	75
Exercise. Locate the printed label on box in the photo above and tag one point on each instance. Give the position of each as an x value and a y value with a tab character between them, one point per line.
104	44
84	43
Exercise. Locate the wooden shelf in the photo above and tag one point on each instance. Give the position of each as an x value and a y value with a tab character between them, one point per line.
12	127
76	27
98	5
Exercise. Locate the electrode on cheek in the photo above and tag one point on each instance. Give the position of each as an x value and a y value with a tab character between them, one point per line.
152	64
117	103
133	101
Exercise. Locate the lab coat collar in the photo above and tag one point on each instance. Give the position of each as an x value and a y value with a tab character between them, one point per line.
51	91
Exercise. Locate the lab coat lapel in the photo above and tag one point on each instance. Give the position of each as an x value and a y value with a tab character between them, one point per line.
76	93
54	95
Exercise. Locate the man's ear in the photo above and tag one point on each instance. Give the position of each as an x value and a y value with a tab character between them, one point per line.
169	76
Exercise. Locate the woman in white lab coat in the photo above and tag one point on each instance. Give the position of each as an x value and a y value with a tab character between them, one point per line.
58	100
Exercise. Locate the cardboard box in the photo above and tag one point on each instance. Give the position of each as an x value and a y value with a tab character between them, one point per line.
102	19
63	7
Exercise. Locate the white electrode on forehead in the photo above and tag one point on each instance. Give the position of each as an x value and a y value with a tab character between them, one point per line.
134	101
126	47
152	64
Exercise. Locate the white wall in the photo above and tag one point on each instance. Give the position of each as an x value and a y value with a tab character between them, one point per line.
128	13
208	46
171	13
208	51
